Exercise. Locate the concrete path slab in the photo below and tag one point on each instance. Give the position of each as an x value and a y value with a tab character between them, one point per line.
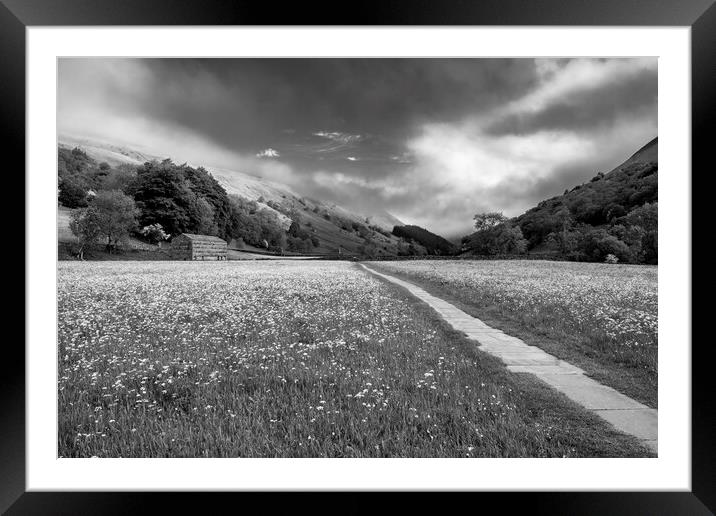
624	413
632	422
562	368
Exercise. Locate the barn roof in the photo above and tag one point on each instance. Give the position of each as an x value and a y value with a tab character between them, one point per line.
203	238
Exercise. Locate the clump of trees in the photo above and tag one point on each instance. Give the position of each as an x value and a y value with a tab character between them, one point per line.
631	238
182	199
78	174
255	225
299	239
495	235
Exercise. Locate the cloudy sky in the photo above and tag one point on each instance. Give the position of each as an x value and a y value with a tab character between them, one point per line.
432	141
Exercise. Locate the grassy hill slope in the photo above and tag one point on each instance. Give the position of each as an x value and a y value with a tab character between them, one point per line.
335	227
600	201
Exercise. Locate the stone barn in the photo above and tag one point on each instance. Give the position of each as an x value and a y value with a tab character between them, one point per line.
198	247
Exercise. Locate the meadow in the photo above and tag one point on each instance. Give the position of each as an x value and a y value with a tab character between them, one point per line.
601	317
289	359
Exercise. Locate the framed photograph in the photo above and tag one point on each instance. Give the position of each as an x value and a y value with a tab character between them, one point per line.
411	249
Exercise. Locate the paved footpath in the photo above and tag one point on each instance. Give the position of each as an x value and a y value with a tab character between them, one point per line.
621	411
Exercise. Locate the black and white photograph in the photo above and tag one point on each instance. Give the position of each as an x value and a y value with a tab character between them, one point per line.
357	257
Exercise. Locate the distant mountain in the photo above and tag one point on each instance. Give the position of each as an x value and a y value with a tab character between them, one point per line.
336	228
434	244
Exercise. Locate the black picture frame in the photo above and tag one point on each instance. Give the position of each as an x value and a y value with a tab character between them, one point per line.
700	15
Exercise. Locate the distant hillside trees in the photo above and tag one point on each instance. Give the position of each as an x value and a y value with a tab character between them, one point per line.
380	230
433	244
118	178
299	240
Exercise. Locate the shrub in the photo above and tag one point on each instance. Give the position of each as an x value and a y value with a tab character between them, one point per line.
154	233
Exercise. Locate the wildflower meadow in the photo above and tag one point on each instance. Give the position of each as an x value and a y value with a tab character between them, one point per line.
301	359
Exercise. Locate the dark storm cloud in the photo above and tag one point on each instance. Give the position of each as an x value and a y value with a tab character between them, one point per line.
589	108
244	102
430	140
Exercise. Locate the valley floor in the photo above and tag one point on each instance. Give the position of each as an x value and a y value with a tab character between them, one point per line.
289	359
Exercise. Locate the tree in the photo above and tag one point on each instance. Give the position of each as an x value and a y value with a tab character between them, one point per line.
73	192
488	220
205	216
294	229
597	244
116	215
510	240
613	211
118	178
85	225
646	216
565	221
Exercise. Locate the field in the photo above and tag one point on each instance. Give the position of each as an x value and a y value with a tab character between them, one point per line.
600	317
288	359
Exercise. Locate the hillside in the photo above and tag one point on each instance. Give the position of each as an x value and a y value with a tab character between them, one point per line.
434	244
648	153
332	227
233	181
612	214
604	198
